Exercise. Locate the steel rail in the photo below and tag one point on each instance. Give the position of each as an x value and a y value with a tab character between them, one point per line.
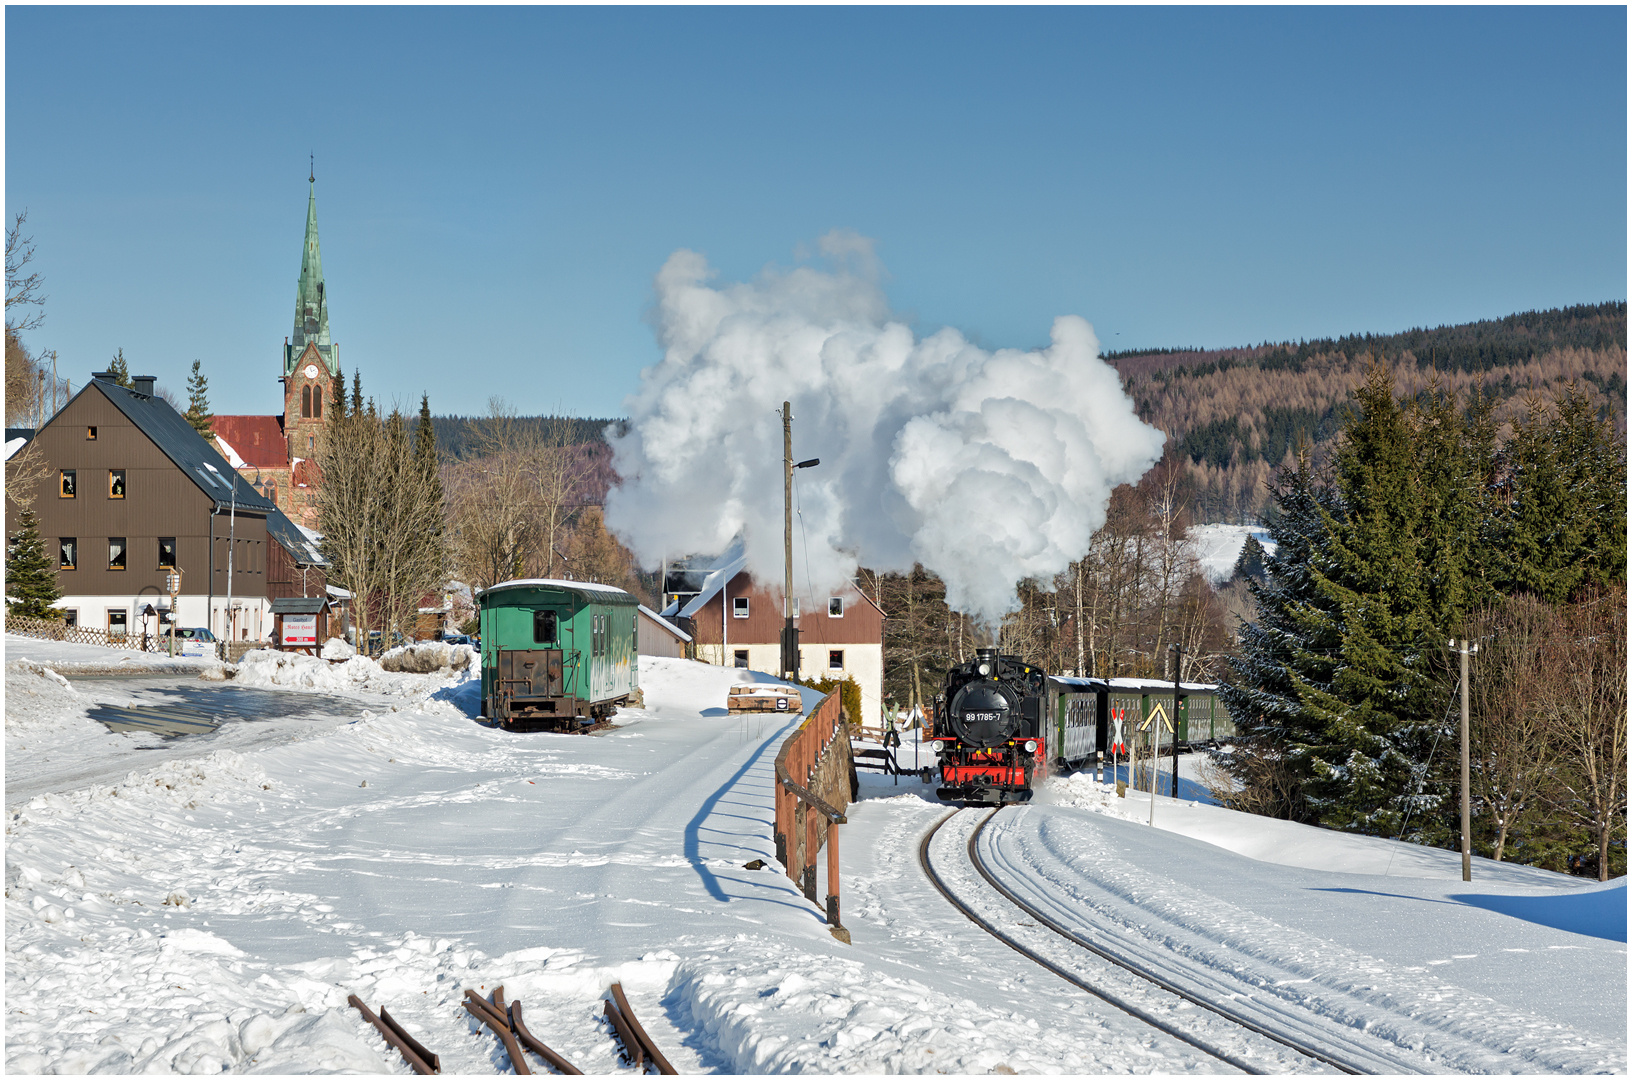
639	1032
485	1012
560	1063
1075	980
1290	1042
414	1055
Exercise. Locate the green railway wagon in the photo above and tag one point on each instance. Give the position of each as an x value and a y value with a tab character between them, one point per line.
556	654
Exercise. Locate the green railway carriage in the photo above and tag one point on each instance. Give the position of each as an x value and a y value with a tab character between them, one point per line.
556	654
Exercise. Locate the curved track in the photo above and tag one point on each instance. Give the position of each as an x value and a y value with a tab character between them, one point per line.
1360	1063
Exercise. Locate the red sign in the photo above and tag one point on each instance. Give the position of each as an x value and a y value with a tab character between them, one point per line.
299	630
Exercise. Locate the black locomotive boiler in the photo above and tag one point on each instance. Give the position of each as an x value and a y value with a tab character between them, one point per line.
988	734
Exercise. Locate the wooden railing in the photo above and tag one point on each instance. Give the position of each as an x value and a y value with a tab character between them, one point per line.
804	820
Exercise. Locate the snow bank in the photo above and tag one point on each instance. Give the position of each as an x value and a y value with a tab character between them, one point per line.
298	671
69	658
37	698
428	658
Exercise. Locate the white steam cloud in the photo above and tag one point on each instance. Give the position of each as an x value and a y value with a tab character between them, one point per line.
987	467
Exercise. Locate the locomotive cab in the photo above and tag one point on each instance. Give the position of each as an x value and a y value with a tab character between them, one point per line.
989	737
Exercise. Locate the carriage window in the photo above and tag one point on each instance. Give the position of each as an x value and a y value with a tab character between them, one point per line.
543	627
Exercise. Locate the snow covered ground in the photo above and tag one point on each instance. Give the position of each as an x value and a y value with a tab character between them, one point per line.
1219	546
211	908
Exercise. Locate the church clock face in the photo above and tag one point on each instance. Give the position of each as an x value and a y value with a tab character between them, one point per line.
311	371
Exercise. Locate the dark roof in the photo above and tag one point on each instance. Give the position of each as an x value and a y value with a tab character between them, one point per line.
299	605
19	433
301	548
190	451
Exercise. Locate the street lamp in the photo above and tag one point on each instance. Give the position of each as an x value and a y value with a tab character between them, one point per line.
790	635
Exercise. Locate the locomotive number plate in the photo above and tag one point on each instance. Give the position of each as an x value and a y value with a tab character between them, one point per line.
983	717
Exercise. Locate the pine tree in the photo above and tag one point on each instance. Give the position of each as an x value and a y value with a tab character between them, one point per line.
31	575
121	370
356	393
198	403
337	404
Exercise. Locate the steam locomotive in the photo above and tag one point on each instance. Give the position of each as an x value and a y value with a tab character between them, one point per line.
989	730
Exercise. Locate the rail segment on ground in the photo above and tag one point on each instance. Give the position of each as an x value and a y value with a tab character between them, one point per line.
1236	1025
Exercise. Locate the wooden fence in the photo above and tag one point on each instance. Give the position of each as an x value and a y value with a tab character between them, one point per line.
51	630
814	762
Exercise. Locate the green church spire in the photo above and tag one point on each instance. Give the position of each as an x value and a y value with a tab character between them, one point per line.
311	299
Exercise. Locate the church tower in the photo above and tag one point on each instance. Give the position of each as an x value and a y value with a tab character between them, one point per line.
311	361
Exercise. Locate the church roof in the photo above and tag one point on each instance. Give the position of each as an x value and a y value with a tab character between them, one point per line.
258	440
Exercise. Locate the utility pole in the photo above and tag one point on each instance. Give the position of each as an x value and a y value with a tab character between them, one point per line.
1467	831
790	634
1178	655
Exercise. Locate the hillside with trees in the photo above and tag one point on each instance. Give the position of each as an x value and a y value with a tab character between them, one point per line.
1237	414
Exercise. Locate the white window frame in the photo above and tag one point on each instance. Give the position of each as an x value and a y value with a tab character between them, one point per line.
739	607
833	601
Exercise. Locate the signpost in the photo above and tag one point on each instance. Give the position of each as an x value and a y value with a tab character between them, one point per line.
1156	713
173	582
300	631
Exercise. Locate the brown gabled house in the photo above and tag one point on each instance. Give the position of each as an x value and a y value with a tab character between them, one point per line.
134	494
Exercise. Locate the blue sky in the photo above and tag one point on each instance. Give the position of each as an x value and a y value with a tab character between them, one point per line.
497	186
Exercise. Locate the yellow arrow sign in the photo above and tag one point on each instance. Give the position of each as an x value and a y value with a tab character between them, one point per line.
1155	712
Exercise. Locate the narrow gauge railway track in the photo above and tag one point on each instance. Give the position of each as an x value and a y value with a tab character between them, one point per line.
1378	1064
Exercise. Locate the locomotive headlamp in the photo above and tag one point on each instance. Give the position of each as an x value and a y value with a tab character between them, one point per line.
1031	746
985	669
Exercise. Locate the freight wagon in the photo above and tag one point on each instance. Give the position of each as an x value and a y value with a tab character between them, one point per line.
556	654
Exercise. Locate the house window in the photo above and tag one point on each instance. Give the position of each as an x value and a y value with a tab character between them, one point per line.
167	553
742	658
117	622
116	483
543	627
317	403
67	552
835	607
116	553
835	659
90	433
68	483
305	401
739	607
70	617
310	442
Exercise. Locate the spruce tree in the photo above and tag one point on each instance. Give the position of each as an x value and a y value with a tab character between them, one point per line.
31	574
198	403
357	393
337	404
1288	651
1250	563
121	370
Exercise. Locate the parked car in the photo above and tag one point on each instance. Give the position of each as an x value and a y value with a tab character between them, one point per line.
194	633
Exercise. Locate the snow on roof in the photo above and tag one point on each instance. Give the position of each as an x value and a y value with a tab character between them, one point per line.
1159	685
712	584
230	454
556	583
335	590
666	624
14	445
